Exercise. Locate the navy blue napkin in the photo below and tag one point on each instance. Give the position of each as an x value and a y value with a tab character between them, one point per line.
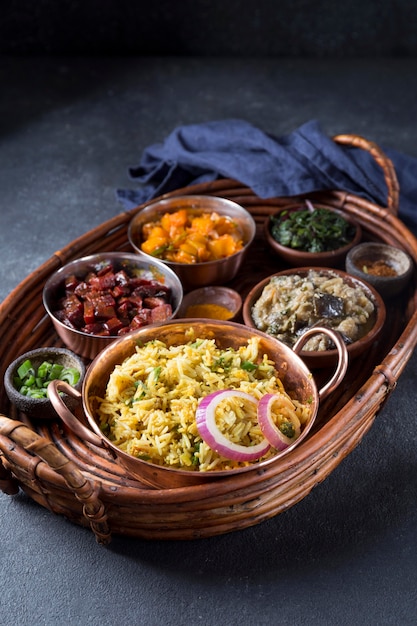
302	162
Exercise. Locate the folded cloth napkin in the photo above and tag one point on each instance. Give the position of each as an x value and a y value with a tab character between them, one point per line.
302	162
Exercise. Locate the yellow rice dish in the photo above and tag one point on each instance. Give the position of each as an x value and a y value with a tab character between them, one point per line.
149	407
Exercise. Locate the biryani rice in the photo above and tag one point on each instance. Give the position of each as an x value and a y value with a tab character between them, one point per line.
149	406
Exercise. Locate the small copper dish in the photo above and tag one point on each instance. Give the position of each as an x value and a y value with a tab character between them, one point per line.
214	302
297	380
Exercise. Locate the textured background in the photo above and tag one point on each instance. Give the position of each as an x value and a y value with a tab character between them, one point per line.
210	27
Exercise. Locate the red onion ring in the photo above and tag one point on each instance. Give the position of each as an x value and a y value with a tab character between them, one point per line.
210	433
271	432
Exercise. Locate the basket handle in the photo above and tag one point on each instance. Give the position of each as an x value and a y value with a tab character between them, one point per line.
390	176
8	483
84	490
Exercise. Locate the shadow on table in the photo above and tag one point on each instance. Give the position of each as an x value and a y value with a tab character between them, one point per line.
337	519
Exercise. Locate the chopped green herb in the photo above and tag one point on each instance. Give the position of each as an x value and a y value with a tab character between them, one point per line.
142	387
159	252
249	366
195	459
318	230
222	363
105	428
287	429
196	343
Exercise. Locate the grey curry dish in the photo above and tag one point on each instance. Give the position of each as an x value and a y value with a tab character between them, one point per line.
286	304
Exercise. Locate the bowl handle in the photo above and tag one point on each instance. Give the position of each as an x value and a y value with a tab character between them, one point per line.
343	357
65	414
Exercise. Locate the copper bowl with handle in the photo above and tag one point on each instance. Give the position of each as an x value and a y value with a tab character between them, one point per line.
320	358
199	274
296	377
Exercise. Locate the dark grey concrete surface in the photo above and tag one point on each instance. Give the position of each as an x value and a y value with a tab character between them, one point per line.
288	28
346	554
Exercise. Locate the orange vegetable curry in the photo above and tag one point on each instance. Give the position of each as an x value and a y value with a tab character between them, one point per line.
187	237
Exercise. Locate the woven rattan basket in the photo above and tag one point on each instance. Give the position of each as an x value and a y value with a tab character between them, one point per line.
82	483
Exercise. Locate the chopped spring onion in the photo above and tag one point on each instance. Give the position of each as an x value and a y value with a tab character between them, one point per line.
33	382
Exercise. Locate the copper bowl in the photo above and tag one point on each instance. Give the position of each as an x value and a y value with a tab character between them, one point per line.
88	345
194	275
293	372
326	358
299	258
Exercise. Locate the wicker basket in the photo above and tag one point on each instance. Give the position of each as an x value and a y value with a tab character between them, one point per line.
74	479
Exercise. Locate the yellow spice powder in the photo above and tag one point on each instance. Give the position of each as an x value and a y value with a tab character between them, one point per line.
212	311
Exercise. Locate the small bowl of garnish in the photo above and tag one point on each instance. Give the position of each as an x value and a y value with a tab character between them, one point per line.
385	267
307	234
214	302
204	239
27	379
